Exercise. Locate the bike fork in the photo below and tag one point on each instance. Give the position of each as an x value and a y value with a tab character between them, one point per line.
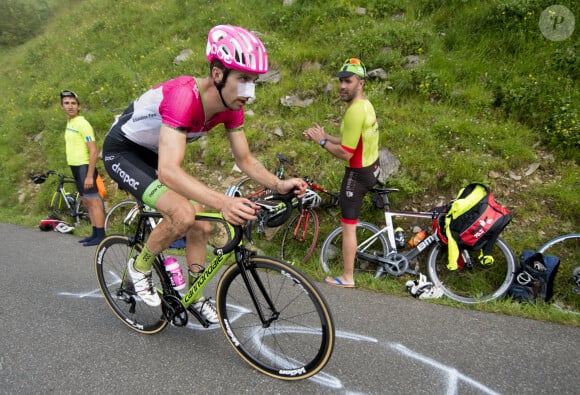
300	234
251	289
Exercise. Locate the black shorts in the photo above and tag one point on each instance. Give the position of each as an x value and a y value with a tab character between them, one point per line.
80	174
355	184
133	167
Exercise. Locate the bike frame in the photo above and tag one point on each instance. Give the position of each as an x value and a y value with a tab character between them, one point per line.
390	234
222	254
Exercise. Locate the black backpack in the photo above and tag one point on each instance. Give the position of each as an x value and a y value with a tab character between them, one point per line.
534	278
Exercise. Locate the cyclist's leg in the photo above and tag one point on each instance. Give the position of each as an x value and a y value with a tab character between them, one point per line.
196	242
349	244
355	184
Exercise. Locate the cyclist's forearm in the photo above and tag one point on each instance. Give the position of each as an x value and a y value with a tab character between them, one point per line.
333	139
256	171
336	150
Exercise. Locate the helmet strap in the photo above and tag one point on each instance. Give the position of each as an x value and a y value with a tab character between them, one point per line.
220	85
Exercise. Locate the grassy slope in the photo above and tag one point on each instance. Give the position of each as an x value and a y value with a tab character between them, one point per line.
473	107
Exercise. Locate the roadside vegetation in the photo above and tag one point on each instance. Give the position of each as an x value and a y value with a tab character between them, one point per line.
473	92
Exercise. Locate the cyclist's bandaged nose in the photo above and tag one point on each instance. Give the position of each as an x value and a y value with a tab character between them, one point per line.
247	89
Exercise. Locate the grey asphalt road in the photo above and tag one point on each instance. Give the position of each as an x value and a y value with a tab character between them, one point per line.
58	336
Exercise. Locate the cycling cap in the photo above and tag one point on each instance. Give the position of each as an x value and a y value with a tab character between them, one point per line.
68	93
352	66
237	49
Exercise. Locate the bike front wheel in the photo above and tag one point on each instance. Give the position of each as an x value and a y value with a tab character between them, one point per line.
300	237
331	250
287	332
478	284
111	259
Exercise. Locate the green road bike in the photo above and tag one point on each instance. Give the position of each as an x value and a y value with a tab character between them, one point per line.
271	314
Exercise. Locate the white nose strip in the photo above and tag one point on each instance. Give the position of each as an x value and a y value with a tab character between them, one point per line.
247	89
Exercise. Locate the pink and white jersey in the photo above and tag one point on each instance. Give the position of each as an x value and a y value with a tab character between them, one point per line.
176	103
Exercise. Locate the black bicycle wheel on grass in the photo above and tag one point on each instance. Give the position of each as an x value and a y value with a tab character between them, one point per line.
296	338
111	259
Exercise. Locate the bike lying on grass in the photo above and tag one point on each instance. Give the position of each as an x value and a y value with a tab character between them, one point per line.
272	315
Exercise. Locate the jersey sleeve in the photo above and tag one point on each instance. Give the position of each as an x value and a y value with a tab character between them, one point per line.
176	108
351	128
86	130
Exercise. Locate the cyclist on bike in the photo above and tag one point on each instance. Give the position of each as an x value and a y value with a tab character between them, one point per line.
145	149
358	145
82	154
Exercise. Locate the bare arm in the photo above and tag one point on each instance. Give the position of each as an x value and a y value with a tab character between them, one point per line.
333	143
172	145
93	158
255	170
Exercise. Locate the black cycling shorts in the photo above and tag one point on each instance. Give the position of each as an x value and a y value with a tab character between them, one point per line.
355	184
133	167
80	174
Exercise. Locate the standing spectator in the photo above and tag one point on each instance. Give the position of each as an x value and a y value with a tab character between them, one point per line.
358	145
82	155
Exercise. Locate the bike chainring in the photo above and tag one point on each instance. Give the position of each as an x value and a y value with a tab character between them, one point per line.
395	264
173	310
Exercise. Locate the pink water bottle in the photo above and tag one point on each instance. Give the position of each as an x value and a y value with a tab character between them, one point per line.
174	272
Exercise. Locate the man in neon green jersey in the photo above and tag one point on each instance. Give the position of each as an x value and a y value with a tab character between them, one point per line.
82	155
358	144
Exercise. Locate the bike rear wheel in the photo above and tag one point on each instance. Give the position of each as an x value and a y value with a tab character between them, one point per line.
297	340
331	250
567	280
481	283
111	259
300	237
122	218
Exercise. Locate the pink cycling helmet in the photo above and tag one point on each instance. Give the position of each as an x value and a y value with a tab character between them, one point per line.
237	49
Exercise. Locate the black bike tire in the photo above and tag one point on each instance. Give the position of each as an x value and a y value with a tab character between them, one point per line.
114	223
329	243
110	262
299	300
288	240
466	278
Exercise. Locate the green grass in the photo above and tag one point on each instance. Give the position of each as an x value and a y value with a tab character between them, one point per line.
489	97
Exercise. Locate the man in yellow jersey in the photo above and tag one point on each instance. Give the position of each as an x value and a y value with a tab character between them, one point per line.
82	155
358	144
